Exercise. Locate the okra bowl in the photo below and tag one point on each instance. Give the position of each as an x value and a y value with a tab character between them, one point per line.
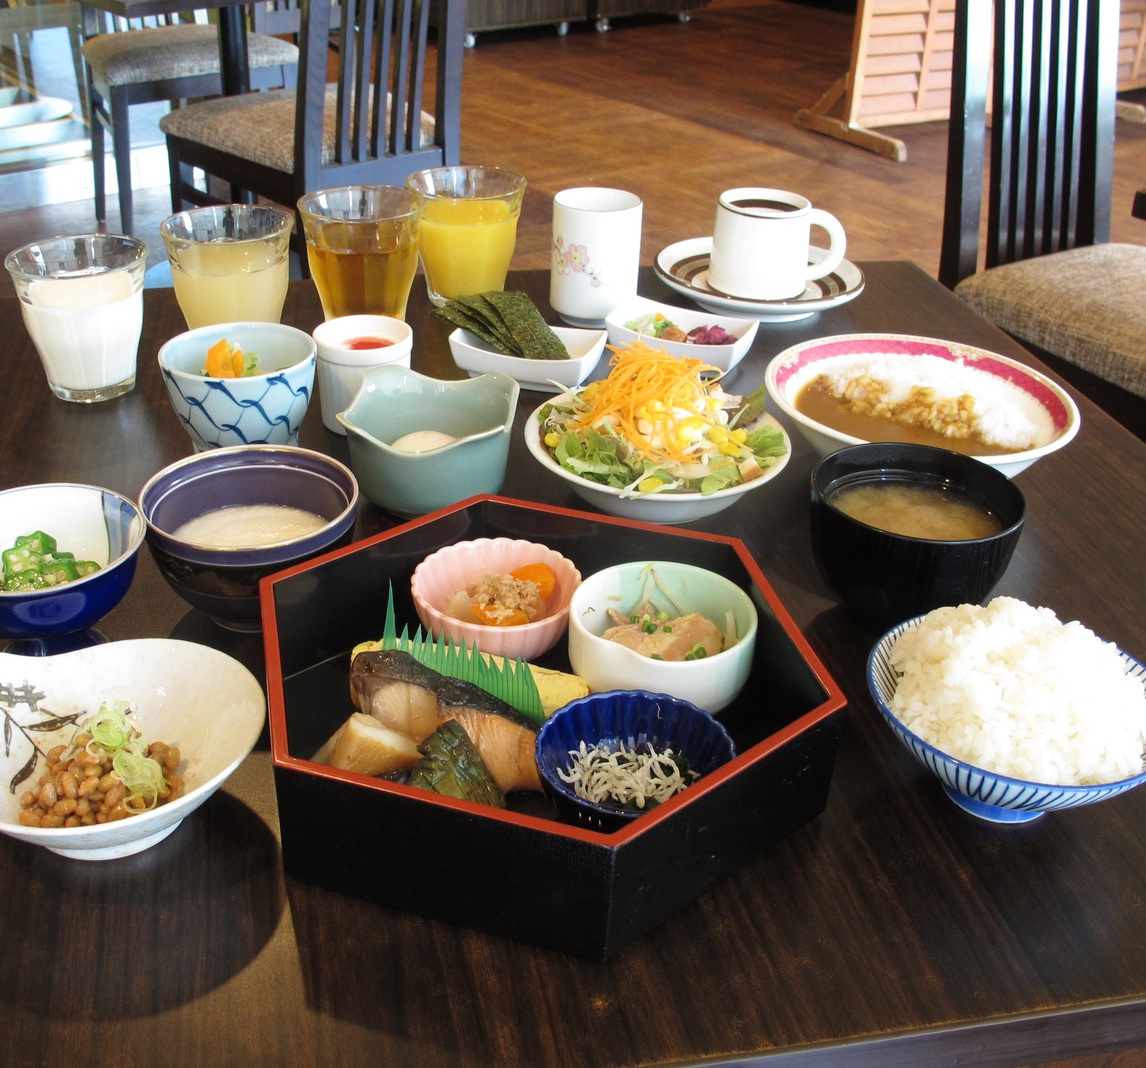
69	555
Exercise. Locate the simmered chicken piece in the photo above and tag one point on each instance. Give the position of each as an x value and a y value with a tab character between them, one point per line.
656	635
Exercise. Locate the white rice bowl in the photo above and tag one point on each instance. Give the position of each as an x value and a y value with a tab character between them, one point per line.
1010	689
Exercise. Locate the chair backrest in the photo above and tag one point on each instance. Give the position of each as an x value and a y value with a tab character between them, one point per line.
279	18
382	78
1052	67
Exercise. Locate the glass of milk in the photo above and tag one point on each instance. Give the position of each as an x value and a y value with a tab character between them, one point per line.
82	299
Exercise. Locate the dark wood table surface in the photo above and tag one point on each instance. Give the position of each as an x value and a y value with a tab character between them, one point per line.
894	929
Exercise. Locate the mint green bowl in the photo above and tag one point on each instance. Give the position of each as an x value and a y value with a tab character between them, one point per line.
394	401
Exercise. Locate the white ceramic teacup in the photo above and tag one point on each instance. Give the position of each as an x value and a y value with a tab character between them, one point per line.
348	347
760	243
596	253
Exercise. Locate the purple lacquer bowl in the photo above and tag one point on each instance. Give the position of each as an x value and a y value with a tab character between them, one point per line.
224	582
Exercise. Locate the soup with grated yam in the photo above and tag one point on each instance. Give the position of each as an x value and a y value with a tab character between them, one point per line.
916	511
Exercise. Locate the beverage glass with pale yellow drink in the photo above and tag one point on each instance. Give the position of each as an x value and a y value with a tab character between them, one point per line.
229	262
469	227
362	247
82	301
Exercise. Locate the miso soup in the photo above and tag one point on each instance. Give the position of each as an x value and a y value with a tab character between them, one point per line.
916	510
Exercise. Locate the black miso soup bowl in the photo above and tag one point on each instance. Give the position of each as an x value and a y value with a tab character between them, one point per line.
885	578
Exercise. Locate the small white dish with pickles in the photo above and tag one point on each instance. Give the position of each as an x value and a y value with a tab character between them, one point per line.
644	319
476	357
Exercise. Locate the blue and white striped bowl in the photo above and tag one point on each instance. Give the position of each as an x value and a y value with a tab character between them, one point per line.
986	794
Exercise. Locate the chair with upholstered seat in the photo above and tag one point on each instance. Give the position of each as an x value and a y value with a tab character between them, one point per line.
1051	278
369	126
173	62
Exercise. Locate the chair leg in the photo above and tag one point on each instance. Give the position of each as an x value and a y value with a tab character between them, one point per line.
121	147
99	170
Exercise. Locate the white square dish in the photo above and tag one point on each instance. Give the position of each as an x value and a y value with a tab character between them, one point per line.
476	357
723	356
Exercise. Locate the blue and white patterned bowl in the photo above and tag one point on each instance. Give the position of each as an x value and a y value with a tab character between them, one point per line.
986	794
636	718
90	522
262	409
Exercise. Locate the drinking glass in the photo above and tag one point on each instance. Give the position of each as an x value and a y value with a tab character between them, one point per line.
469	227
362	246
229	262
82	300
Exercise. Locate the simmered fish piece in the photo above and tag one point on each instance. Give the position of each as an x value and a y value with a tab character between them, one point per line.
397	690
503	736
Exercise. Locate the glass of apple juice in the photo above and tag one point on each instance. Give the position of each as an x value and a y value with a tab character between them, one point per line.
229	262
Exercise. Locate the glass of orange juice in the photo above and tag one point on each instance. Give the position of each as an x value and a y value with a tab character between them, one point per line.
362	247
469	227
229	262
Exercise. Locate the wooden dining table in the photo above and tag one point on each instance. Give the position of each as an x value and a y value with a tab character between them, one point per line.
892	929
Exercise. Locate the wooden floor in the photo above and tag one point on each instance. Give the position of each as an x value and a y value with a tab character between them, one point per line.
676	112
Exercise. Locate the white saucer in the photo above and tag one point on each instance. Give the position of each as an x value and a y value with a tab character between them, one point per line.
684	268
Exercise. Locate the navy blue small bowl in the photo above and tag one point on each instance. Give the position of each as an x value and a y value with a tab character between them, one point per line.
93	523
637	718
225	582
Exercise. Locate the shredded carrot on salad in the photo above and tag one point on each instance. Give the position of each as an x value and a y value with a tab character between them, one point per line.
647	384
658	424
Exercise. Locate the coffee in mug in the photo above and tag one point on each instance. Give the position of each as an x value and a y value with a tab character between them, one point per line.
760	244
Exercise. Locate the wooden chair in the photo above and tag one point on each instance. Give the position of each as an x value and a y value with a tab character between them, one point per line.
1051	278
174	60
368	127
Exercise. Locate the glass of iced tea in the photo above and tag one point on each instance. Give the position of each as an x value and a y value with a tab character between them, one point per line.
362	246
469	227
229	262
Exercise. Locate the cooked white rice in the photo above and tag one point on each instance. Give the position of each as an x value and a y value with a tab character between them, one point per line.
1010	689
1001	413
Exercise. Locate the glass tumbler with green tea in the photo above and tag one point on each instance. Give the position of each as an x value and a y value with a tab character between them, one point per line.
229	262
362	247
469	227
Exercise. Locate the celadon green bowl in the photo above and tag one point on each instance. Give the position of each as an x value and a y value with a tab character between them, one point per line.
394	401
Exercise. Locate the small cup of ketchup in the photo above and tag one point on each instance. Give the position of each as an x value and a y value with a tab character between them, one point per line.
348	347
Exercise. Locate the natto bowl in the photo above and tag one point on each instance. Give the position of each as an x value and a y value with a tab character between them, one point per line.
181	693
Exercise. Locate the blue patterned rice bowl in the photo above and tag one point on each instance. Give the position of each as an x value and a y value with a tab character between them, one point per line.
986	794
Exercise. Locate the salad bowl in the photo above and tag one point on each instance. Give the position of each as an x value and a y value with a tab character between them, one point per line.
664	507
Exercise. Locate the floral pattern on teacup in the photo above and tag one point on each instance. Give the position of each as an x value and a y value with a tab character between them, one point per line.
575	260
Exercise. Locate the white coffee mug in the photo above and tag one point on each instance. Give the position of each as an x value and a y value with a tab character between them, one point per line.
596	253
760	244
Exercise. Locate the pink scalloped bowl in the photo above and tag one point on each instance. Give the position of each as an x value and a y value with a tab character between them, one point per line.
439	577
1046	403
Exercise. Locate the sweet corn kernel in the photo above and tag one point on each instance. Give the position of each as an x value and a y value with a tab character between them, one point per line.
552	439
648	485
